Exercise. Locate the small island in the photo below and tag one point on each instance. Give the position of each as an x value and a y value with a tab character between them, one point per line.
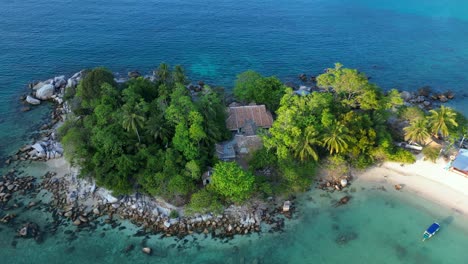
180	158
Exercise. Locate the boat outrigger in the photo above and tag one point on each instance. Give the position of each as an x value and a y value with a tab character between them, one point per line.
430	231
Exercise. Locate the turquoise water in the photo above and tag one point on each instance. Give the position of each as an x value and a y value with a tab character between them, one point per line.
381	227
401	44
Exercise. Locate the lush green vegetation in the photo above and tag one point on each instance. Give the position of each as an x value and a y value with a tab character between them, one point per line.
431	153
147	136
158	138
250	86
232	182
443	122
349	121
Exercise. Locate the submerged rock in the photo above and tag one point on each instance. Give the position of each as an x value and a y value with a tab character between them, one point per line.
147	250
32	100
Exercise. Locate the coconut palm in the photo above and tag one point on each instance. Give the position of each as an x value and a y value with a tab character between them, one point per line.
163	73
304	149
132	119
178	75
158	128
417	131
336	139
441	119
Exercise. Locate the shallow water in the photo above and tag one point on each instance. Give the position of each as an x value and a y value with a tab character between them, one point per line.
401	44
379	227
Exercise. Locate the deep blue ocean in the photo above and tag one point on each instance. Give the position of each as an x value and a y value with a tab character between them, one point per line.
400	44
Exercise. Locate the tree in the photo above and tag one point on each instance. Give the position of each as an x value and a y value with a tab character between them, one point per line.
336	138
411	113
251	86
441	120
244	87
133	118
158	128
178	75
89	89
351	87
231	181
305	147
417	131
163	73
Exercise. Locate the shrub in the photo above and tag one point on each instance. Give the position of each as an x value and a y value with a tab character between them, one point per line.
402	155
262	158
431	153
232	182
204	201
411	113
173	214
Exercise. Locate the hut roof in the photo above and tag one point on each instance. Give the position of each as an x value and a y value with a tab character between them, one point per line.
239	115
461	161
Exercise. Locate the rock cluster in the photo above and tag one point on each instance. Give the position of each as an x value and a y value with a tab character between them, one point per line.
52	89
10	184
149	214
333	184
425	97
44	149
30	230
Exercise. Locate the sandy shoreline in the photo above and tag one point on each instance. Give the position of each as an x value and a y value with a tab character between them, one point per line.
426	179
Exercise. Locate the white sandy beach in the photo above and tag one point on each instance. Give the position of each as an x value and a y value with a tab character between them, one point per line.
426	179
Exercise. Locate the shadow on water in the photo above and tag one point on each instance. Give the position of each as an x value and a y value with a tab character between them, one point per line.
447	221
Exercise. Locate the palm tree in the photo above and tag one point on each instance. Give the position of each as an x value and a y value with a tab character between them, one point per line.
179	75
417	131
158	128
163	73
336	140
305	146
441	119
132	119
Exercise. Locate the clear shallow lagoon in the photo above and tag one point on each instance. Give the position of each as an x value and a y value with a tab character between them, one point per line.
382	227
402	44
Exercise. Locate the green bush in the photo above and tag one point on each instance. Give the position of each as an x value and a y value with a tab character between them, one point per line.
402	155
204	201
173	214
431	153
297	176
410	113
232	182
262	158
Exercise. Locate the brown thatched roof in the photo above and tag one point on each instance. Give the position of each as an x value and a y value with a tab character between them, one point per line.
239	115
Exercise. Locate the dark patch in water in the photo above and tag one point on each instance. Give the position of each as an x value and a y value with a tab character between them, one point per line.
400	251
69	250
345	238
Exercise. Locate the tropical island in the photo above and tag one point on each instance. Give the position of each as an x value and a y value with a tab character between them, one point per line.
199	153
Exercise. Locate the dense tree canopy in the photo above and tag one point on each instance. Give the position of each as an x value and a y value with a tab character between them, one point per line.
250	86
349	120
158	137
144	135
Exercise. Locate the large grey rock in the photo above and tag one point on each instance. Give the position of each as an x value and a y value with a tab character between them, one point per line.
59	81
77	75
406	95
45	92
32	100
71	83
38	85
